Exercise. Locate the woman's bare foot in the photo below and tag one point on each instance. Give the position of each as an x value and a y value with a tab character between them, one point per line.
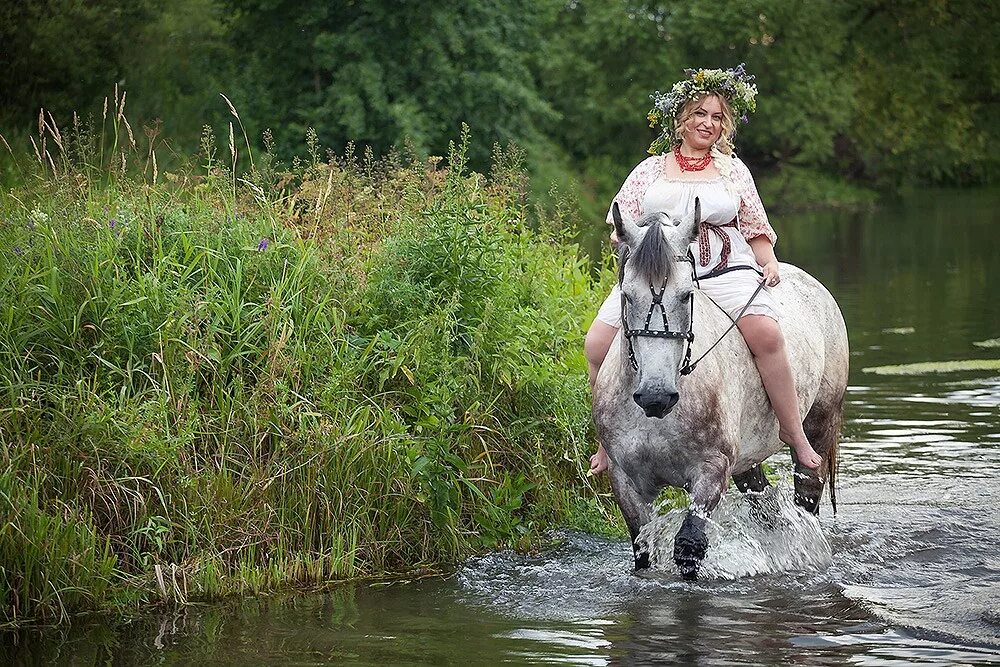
804	453
598	461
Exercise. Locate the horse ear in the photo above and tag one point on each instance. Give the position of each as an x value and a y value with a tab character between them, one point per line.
625	229
696	223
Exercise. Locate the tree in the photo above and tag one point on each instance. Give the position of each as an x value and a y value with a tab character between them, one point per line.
928	87
381	72
64	55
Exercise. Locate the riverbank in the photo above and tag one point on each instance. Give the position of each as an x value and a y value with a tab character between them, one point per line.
217	383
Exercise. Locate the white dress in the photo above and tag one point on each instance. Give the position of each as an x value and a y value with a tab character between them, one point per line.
732	210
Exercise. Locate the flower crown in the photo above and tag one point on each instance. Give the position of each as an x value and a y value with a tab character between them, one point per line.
734	84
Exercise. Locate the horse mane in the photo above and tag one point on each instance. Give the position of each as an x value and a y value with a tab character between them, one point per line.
652	259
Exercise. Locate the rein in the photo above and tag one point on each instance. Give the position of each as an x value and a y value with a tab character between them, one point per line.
687	367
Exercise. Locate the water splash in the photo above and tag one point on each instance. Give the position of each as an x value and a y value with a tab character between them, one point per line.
761	534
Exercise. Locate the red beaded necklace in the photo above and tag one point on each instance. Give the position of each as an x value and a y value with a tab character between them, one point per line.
691	163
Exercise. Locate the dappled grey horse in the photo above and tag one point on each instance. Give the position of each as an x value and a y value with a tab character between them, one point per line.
697	428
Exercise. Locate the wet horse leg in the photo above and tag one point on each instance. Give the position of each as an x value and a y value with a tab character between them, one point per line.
691	542
635	510
822	427
752	484
752	480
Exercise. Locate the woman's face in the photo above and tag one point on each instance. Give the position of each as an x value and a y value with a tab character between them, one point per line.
704	126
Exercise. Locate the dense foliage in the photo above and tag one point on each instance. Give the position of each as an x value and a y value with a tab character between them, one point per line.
882	93
213	382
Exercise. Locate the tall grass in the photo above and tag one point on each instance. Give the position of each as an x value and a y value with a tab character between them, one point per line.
215	381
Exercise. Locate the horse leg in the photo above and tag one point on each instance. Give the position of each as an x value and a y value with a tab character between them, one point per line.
752	480
822	427
752	484
635	510
691	542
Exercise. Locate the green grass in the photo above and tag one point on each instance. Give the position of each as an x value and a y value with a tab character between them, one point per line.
226	380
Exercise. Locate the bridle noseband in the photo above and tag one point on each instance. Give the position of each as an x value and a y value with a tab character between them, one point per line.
688	335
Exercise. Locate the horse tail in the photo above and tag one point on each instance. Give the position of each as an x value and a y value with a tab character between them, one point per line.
833	453
822	426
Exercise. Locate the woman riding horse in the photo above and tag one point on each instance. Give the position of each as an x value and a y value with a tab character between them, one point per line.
693	158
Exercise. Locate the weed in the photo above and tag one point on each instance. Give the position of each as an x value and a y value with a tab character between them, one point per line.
215	382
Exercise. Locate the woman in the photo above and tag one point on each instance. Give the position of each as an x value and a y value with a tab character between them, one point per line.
735	250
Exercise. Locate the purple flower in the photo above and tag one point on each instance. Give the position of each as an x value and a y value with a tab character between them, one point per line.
745	119
262	246
111	223
18	250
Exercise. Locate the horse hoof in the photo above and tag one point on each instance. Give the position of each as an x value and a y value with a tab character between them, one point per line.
689	569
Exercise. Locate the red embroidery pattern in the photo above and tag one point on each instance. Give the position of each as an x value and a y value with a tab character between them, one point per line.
705	250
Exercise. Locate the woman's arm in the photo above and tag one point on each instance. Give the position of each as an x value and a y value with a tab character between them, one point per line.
763	252
754	224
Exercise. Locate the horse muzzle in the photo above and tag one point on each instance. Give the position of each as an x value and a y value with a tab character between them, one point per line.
656	404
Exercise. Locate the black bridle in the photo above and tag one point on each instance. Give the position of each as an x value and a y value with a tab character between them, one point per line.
665	332
687	366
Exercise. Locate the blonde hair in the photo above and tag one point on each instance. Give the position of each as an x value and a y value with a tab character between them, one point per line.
725	141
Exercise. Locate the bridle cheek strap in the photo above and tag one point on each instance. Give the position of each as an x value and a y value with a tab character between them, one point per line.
665	332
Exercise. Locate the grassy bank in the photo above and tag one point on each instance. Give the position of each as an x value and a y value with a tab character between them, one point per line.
225	380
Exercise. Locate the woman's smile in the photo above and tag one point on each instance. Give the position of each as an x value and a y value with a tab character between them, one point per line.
704	126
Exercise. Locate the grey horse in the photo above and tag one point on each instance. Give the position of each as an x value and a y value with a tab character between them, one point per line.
699	429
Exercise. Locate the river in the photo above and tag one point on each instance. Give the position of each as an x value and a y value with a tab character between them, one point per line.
907	572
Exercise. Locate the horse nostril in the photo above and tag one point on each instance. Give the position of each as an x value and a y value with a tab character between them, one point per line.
672	399
637	397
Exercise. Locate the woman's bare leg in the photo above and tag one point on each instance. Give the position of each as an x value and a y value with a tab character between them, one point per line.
595	348
764	338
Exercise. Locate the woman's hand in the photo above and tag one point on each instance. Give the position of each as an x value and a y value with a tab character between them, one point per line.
763	252
771	277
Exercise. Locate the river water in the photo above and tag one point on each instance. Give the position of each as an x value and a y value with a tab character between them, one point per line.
908	572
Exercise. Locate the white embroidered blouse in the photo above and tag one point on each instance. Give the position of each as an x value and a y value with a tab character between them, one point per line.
751	217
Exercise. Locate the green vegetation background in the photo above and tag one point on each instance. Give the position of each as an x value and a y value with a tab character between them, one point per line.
231	368
215	381
873	93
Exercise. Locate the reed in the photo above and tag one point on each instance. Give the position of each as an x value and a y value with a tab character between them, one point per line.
215	383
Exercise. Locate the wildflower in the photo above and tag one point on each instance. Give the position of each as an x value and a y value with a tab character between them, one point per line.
736	85
112	222
18	250
38	215
264	242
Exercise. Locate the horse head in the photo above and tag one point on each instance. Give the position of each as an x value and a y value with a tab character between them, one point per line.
657	288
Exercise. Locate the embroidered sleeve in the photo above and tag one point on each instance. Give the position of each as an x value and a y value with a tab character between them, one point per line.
630	196
753	219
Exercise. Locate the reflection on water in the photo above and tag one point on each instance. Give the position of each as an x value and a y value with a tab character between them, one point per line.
908	573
